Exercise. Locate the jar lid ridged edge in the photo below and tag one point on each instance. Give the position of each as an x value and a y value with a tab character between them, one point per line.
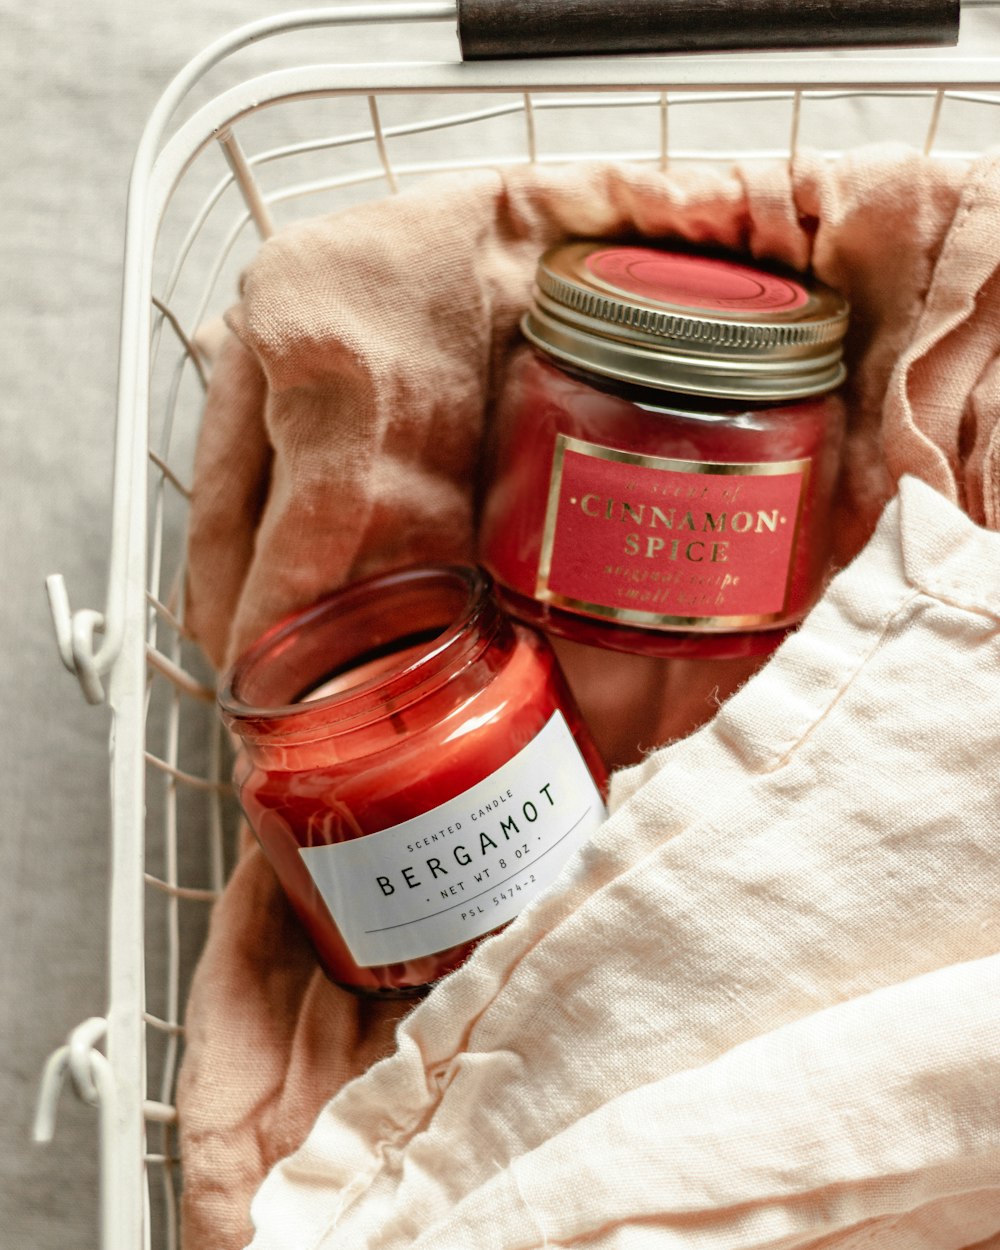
679	327
585	311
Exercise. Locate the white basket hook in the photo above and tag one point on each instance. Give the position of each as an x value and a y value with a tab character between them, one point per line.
75	632
94	1082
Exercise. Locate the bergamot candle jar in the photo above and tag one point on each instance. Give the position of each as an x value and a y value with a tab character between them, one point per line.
665	451
414	768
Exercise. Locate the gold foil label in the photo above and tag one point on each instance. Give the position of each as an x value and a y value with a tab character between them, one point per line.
670	544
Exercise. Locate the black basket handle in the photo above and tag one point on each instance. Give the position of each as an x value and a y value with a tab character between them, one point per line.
491	29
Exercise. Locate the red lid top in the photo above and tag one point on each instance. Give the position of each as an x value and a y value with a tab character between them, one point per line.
699	282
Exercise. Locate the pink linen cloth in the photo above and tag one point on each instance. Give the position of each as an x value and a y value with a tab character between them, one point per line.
343	434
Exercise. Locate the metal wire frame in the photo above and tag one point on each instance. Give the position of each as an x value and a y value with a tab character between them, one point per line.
138	643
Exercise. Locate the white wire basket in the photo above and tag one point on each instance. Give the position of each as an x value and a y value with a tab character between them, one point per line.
282	136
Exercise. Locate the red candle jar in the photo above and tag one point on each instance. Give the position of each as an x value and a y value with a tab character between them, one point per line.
666	449
414	768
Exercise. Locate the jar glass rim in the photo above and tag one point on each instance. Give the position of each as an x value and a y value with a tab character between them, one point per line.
405	607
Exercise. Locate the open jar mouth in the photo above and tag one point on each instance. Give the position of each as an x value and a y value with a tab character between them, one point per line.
361	653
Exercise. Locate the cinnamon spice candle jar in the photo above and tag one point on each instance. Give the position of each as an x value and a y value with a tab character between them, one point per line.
414	768
666	447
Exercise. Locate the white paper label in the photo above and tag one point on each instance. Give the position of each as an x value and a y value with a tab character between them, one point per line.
468	865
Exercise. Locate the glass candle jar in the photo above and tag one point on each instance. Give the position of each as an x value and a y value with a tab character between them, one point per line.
666	450
414	768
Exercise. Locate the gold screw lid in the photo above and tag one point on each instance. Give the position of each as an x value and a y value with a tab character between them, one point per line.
682	321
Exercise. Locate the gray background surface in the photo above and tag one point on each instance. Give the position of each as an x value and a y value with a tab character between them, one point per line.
77	81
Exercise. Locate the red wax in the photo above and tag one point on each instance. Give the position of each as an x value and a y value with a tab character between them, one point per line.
699	614
407	698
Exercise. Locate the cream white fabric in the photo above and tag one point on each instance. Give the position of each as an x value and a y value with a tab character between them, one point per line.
763	1007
